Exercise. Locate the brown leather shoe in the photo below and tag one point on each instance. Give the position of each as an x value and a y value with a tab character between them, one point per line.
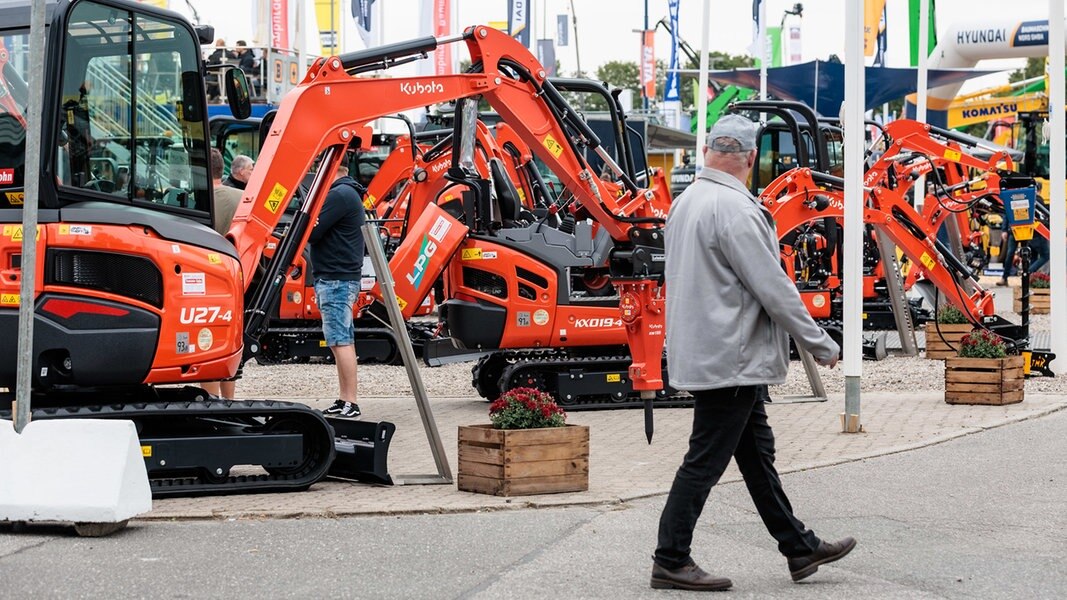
690	577
805	566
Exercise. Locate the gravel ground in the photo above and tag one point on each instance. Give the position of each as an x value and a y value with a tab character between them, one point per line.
318	380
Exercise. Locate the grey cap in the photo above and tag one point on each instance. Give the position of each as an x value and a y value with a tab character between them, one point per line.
736	128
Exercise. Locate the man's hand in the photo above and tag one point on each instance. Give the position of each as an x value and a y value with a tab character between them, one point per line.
829	364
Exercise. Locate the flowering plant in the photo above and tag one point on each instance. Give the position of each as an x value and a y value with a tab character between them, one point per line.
526	408
1040	281
950	315
981	343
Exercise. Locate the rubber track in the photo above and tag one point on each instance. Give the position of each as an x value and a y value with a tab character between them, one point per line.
164	487
547	363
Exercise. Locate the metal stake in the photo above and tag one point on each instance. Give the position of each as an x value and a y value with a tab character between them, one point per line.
385	278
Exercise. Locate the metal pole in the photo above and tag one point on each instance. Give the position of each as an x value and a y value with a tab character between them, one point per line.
28	284
422	401
898	299
763	51
577	53
644	95
1057	175
702	93
920	89
854	201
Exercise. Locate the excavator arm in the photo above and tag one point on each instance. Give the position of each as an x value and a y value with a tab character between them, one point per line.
330	109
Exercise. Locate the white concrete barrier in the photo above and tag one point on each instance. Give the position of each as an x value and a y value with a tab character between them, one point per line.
72	470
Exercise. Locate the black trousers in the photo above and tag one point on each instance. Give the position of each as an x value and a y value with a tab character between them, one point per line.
729	422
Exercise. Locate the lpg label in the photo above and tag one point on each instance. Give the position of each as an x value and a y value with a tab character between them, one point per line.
193	284
204	339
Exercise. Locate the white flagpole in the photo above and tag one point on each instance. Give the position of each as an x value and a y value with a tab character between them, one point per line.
853	269
1057	185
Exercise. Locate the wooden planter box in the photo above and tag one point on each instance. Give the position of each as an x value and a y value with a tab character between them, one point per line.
939	349
984	380
519	462
1040	301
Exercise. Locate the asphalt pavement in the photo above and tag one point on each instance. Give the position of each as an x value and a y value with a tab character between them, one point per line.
980	516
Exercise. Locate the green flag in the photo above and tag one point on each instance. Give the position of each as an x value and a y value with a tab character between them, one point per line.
913	28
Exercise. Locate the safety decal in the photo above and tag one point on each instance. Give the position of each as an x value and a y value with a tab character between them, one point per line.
369	201
214	259
614	378
146	452
16	198
322	343
554	147
540	317
14	232
401	303
927	260
952	154
522	318
275	199
489	255
471	254
75	230
194	284
9	299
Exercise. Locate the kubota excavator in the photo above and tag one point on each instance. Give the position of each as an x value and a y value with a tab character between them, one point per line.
137	296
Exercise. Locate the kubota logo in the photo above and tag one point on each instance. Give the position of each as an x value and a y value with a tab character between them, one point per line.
440	165
414	89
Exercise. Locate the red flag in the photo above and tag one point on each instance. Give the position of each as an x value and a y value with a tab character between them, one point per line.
442	25
648	64
279	23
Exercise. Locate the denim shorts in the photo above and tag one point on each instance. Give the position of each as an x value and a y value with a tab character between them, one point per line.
336	298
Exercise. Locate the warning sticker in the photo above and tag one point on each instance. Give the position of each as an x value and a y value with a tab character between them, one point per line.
614	378
540	317
16	198
489	255
369	201
14	232
952	154
193	284
9	299
146	452
401	303
554	147
214	259
275	199
75	230
471	254
927	261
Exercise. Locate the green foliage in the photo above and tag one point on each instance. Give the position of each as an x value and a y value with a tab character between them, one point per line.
982	343
526	408
723	60
1035	67
950	315
1040	281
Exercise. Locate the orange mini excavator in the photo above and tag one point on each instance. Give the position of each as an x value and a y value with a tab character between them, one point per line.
137	298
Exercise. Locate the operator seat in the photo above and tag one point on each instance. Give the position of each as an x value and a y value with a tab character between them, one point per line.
506	194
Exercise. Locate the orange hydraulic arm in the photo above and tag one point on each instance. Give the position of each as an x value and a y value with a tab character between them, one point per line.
310	123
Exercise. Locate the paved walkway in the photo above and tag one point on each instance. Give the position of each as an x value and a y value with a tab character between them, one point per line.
622	466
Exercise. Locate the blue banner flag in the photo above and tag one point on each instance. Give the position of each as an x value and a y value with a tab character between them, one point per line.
671	92
518	13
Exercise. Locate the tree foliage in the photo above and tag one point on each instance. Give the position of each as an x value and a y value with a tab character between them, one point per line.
1035	67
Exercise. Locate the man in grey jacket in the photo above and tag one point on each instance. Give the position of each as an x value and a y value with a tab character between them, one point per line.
730	307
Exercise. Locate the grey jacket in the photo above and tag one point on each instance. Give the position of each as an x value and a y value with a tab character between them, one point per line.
729	302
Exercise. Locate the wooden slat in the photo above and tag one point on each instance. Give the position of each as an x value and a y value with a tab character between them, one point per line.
480	454
484	434
546	468
546	452
548	435
547	485
979	398
480	485
972	376
483	470
984	388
